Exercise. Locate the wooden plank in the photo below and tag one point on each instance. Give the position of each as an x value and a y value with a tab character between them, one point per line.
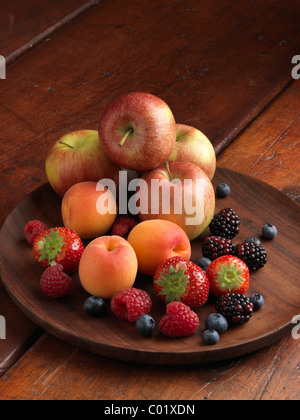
53	370
269	148
196	56
22	28
21	333
212	65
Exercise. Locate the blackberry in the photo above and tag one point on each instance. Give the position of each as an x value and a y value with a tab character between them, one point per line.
236	308
225	224
216	246
255	256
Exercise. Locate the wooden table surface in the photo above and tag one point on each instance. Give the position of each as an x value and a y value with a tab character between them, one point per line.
223	67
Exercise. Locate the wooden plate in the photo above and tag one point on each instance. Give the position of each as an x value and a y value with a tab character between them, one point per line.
255	202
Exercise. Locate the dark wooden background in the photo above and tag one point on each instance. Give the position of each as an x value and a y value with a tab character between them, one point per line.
223	67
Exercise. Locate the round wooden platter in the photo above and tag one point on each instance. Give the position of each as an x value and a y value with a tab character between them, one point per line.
255	202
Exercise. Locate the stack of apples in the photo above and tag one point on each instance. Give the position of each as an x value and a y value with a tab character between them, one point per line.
137	132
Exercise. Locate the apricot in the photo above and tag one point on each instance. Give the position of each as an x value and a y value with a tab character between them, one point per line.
155	241
80	210
108	266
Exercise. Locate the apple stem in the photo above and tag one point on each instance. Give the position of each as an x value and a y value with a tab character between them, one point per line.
66	144
129	131
168	169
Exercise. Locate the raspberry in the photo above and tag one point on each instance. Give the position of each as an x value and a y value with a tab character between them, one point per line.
130	304
225	224
33	229
179	320
123	225
216	246
55	283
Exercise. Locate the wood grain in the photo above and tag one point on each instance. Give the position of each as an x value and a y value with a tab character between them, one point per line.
22	28
111	337
236	66
275	147
215	68
21	333
54	370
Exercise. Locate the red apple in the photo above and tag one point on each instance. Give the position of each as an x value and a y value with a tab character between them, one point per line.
194	147
78	157
138	131
186	197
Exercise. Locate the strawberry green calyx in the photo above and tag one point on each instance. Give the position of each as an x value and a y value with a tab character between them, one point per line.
174	283
229	276
50	246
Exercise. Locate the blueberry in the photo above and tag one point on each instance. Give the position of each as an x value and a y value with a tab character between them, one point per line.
210	337
258	301
95	306
223	190
269	231
254	240
145	325
204	263
216	322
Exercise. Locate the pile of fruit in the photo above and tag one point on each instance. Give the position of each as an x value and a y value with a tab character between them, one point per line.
138	132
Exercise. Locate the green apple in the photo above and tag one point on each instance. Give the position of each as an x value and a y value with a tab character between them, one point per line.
194	147
78	157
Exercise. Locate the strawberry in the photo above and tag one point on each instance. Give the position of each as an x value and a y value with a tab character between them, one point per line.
228	274
60	245
179	321
178	279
